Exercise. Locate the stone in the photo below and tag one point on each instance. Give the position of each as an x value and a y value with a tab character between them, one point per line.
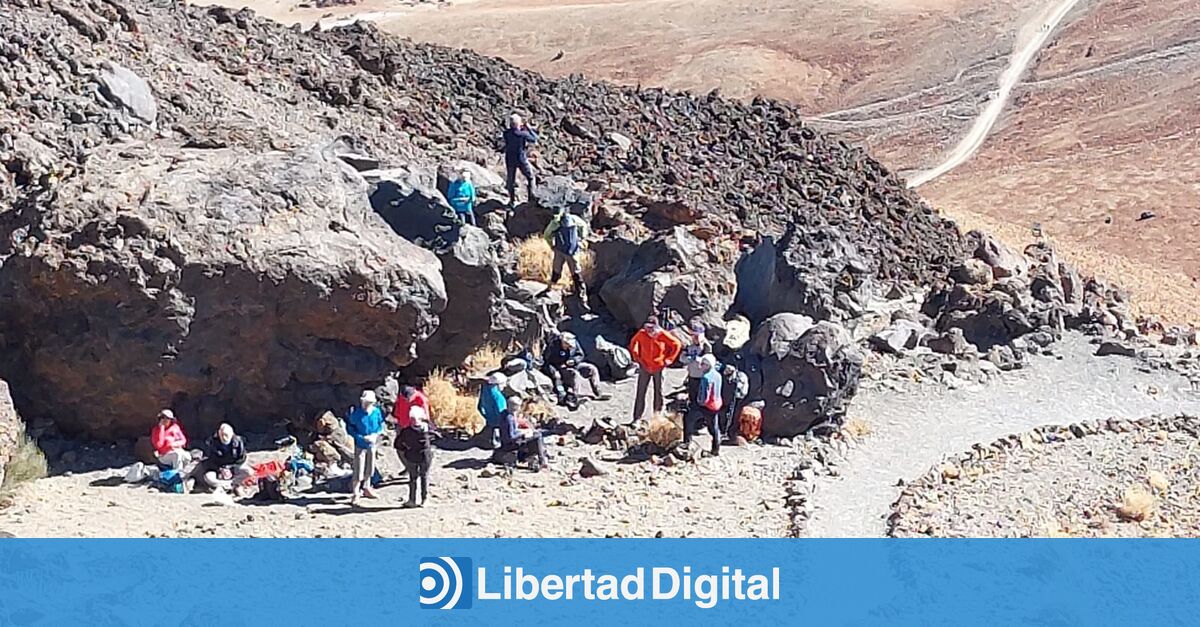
128	90
950	342
228	283
589	468
971	272
621	141
1113	347
10	426
811	384
898	337
774	336
1002	261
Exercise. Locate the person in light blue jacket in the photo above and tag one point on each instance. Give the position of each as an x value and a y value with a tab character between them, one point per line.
364	424
492	406
462	197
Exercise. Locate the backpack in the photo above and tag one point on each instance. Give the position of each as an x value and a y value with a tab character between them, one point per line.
566	236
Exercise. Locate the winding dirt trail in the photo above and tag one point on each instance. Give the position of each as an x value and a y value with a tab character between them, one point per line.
1026	51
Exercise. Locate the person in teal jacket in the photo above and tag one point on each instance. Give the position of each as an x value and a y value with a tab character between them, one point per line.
462	197
364	424
492	405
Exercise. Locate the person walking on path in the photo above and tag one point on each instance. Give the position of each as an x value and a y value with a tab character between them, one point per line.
652	349
364	424
565	234
462	197
517	139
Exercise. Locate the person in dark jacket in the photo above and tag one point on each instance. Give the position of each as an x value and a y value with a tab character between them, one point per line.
517	139
224	459
415	446
735	385
563	361
524	439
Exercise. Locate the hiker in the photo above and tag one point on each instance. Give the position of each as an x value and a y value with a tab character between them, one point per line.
698	346
224	461
170	442
705	406
735	386
491	406
462	198
517	139
364	424
415	446
565	233
517	434
652	349
563	361
409	398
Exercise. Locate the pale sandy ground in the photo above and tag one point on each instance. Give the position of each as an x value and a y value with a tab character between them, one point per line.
739	494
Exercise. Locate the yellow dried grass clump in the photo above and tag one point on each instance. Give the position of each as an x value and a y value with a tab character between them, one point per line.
487	358
451	408
857	427
665	430
1136	504
535	262
26	464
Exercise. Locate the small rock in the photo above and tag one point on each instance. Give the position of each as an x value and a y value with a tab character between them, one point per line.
589	468
1113	347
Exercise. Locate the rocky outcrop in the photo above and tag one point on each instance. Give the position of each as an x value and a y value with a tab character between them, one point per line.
225	284
674	270
811	384
10	428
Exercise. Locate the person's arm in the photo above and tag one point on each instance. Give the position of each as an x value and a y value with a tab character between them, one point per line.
529	134
158	438
635	350
352	425
239	451
548	234
674	347
471	194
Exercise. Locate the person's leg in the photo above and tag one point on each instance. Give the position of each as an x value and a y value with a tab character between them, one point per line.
411	469
693	388
570	379
356	481
639	396
176	459
510	182
658	392
369	474
540	446
576	276
559	391
470	218
592	375
527	170
714	430
211	480
690	420
426	464
557	267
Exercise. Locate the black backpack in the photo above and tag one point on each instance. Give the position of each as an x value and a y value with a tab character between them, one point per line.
566	237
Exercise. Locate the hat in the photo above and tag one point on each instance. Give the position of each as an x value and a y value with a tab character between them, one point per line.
166	413
368	397
709	360
497	379
652	319
567	336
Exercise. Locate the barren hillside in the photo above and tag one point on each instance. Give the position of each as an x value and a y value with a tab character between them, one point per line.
1102	130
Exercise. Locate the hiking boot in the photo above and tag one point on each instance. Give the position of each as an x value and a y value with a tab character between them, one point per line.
410	505
572	402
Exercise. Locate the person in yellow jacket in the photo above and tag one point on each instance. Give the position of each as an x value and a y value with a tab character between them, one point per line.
565	234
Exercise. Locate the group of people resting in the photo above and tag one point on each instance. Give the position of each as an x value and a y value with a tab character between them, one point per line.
224	454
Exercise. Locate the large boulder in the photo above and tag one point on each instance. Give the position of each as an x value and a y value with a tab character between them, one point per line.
775	335
811	384
227	284
672	270
10	426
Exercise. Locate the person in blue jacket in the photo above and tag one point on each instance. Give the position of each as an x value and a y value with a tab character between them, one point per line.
364	424
492	406
517	139
462	197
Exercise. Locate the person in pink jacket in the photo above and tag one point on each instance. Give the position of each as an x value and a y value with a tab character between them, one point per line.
170	442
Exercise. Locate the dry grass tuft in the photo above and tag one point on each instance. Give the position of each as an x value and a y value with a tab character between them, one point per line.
487	358
1158	481
857	427
665	430
538	411
1136	504
535	262
451	408
27	464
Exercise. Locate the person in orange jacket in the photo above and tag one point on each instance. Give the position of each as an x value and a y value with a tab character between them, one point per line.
653	349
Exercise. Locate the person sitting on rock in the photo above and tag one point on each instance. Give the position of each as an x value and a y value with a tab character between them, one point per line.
415	445
224	463
518	435
652	349
698	346
517	139
491	406
409	398
462	197
563	361
565	234
705	407
170	442
735	386
364	424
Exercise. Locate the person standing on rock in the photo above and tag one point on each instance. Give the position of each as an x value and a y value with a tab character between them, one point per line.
652	349
462	197
491	406
517	139
706	405
364	424
170	442
565	234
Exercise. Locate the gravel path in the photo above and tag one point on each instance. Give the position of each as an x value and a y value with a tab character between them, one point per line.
912	429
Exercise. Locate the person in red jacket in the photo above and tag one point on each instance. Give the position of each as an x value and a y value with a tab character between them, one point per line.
170	442
410	397
652	349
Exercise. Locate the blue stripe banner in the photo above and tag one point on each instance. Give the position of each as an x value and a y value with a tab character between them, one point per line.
550	582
